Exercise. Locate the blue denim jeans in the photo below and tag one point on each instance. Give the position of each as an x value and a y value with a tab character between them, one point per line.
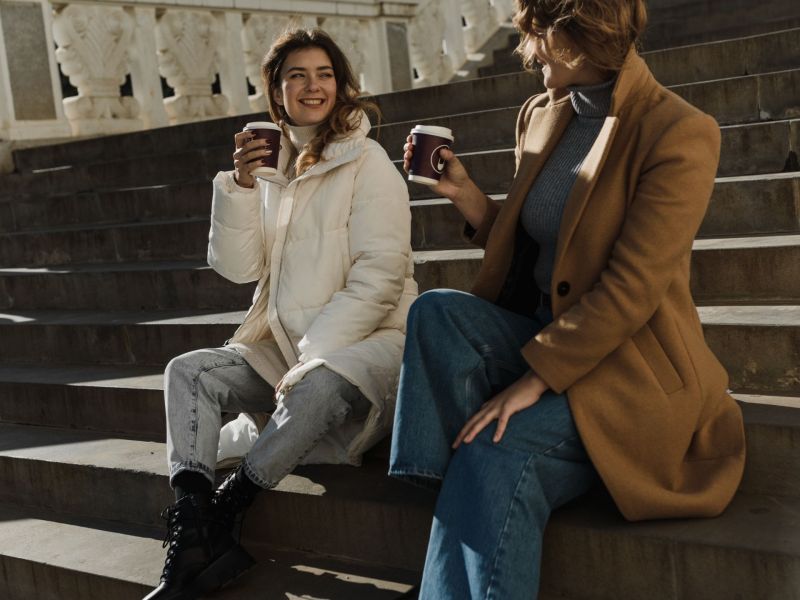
495	498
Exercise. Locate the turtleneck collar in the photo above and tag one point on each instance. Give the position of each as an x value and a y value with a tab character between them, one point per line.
592	101
300	136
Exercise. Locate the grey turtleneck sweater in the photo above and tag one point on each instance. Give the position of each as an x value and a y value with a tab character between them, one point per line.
544	205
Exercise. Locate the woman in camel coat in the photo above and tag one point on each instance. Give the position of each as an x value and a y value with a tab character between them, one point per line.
579	352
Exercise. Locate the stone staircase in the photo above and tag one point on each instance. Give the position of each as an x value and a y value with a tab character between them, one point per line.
103	279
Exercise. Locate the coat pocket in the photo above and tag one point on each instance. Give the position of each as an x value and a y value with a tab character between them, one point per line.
658	361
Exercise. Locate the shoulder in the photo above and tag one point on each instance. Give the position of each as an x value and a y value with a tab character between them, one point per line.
660	111
525	112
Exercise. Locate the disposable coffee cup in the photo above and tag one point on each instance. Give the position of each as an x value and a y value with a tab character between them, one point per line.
272	133
427	164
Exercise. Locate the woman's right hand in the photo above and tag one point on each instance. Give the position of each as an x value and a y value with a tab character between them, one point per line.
454	178
249	152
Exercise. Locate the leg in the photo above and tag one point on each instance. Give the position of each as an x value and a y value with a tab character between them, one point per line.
495	502
198	387
321	401
459	350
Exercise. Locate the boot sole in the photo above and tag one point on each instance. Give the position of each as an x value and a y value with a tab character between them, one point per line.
222	571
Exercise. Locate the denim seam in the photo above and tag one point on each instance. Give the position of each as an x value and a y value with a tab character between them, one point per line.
268	485
555	447
194	424
500	552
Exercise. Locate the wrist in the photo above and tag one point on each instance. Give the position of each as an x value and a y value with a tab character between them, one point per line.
240	183
465	193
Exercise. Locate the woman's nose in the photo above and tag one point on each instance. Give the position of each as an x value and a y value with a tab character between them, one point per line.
312	83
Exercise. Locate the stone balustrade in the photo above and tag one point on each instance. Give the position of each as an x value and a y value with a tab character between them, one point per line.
207	54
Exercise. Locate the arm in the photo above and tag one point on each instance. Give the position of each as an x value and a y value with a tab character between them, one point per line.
669	203
235	242
379	233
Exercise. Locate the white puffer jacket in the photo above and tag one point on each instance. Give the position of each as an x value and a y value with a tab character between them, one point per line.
332	256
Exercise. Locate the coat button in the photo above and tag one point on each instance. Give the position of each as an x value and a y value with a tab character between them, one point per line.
563	288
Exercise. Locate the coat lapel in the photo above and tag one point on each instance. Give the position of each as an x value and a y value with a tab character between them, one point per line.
551	121
583	186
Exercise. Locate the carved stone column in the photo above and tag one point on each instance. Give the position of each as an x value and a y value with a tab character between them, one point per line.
481	21
258	34
353	37
436	42
188	58
93	44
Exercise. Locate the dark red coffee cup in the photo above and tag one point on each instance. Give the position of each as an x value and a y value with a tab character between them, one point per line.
272	133
427	165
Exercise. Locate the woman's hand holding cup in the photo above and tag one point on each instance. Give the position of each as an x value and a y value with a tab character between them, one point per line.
247	157
254	152
454	176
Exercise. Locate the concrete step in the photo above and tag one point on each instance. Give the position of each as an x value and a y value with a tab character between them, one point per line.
756	54
166	285
47	557
767	147
139	204
126	400
185	239
353	511
748	97
690	22
758	345
750	204
757	149
751	270
141	338
740	206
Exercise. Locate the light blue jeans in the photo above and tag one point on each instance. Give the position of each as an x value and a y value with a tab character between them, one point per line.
201	385
494	499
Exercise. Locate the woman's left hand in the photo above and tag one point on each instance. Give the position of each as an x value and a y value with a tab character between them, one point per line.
521	394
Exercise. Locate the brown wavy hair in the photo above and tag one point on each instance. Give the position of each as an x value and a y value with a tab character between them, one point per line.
602	30
346	114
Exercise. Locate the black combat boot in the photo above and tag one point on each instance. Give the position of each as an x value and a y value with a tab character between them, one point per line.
202	555
233	496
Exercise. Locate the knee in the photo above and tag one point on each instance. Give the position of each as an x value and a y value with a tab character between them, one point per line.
429	305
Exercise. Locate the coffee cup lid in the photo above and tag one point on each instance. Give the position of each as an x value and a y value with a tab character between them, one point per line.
434	130
261	125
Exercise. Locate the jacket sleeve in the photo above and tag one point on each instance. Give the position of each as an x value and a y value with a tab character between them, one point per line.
480	236
379	233
235	242
671	197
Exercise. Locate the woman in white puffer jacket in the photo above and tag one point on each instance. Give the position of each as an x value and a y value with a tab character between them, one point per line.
328	240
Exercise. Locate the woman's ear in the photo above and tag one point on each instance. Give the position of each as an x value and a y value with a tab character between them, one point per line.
277	96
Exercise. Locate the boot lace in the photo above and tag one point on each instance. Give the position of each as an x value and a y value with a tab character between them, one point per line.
171	514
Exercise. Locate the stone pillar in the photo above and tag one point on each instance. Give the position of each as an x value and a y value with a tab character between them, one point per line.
399	57
358	40
481	23
188	58
30	89
436	42
145	79
232	77
258	34
93	43
504	9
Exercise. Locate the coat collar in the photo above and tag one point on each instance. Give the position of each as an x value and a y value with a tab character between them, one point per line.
338	152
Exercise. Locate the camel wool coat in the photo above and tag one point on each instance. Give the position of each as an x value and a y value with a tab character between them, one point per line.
648	396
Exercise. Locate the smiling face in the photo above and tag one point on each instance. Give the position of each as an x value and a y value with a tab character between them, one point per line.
555	54
308	87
